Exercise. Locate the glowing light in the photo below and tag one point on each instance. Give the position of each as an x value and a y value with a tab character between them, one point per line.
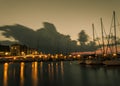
14	58
22	74
52	70
15	48
64	57
78	55
35	52
48	54
114	54
105	55
24	57
41	70
35	73
33	56
61	54
74	57
5	74
90	57
22	53
6	53
70	55
40	56
52	56
62	69
56	56
45	56
57	70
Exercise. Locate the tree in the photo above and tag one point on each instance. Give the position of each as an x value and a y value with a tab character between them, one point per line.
83	37
92	46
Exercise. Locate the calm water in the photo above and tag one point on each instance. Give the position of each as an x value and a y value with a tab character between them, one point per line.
57	74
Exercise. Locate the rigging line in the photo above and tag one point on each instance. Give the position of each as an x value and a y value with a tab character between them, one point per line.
98	40
106	38
102	32
109	36
111	26
118	24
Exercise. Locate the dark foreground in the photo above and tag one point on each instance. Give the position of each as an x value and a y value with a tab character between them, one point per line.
64	73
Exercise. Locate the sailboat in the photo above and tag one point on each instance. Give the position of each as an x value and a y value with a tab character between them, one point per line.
89	59
93	59
114	60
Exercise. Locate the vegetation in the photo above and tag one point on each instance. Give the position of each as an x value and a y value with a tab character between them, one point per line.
83	38
47	39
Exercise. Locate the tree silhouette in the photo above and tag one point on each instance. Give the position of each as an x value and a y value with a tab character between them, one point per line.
82	38
46	39
92	46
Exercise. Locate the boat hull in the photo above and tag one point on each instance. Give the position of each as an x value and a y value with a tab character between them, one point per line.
112	62
93	62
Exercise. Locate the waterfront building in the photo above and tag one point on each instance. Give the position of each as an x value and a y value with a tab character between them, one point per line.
4	50
18	49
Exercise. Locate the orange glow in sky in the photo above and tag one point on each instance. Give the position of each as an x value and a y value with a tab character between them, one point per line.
69	16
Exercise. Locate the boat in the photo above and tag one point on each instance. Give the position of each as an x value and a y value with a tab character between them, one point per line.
112	62
114	59
94	59
82	61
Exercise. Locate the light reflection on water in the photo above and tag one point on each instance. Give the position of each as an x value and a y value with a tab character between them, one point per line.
5	78
34	73
57	74
22	73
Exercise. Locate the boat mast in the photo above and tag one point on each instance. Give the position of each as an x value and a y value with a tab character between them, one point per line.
93	34
102	36
115	32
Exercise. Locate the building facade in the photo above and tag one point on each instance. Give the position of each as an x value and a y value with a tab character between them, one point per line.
18	49
4	50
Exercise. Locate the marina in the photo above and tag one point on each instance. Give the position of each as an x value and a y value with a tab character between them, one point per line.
62	73
59	43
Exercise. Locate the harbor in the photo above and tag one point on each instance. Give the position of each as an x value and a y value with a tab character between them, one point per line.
59	43
62	73
39	58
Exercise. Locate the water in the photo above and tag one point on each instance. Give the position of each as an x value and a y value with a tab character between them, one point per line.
57	74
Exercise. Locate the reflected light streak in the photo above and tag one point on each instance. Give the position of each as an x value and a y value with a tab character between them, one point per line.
62	69
52	71
35	73
41	70
57	70
49	72
5	80
22	73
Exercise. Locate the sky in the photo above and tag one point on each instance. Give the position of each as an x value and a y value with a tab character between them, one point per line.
68	16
